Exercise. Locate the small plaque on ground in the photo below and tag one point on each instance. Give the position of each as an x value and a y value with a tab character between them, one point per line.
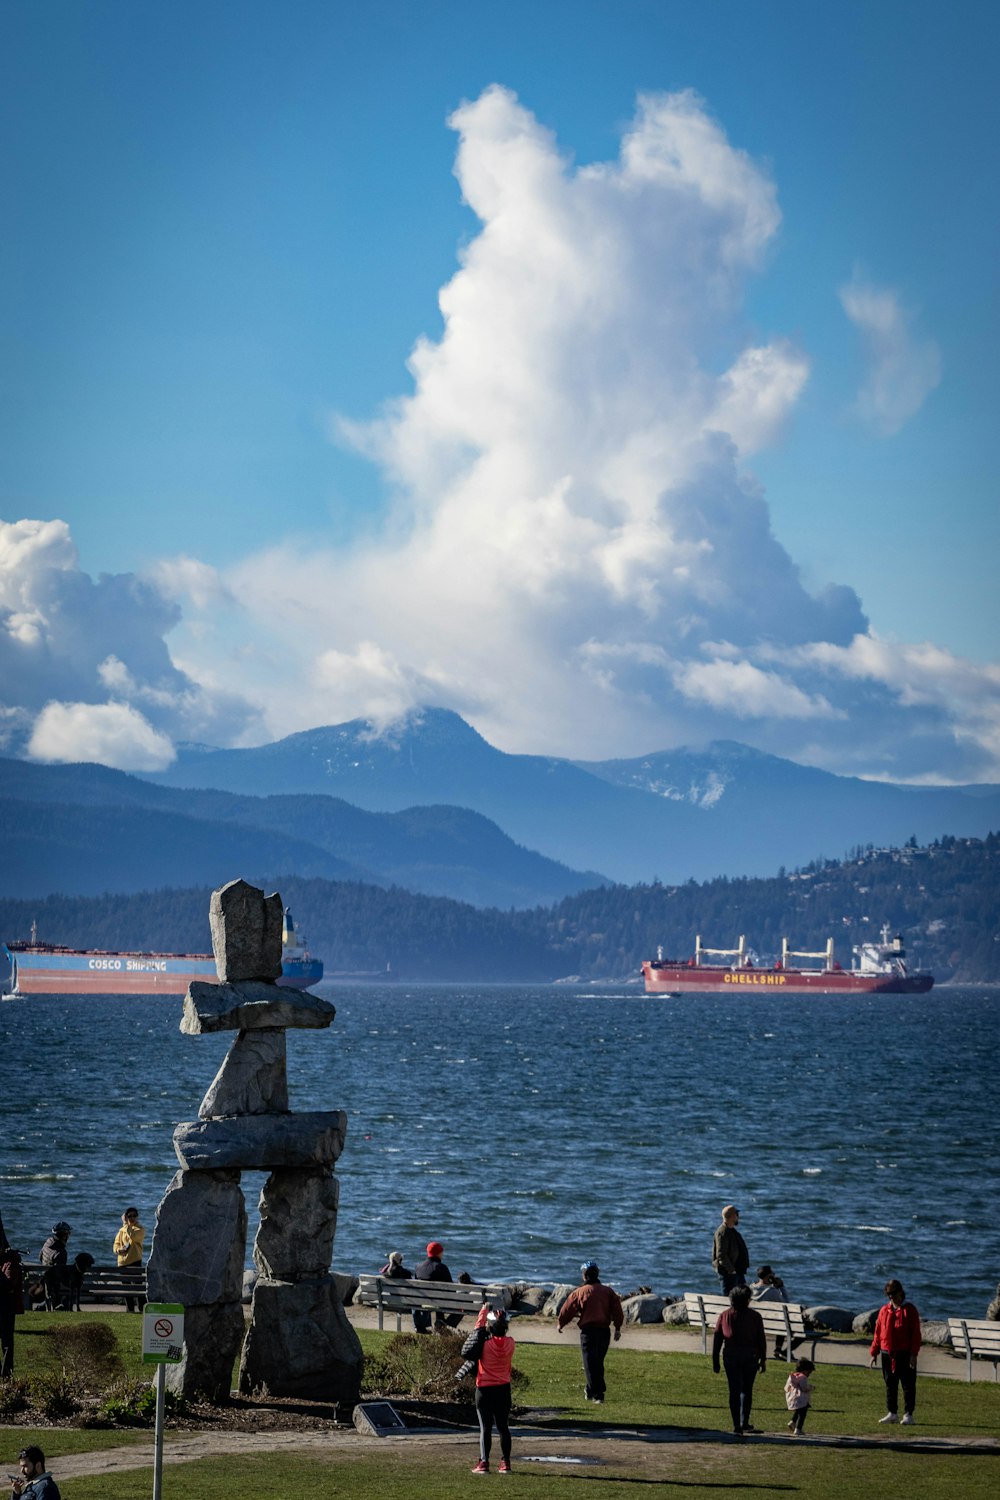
378	1418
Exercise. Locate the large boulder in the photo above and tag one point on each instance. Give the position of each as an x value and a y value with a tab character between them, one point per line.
199	1243
300	1343
528	1300
253	1078
647	1308
829	1319
935	1333
212	1338
864	1322
298	1222
556	1298
676	1313
993	1311
256	1142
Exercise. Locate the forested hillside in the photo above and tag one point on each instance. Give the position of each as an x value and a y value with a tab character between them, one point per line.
943	899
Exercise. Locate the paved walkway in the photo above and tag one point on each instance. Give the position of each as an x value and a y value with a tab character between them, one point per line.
662	1336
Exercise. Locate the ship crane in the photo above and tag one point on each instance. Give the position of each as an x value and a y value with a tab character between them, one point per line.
826	954
739	953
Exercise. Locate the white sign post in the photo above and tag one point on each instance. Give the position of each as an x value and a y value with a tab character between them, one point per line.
162	1345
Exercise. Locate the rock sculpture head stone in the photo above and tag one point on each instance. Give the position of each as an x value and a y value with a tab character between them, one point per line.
246	933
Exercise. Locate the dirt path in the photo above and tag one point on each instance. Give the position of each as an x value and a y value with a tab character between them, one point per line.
573	1446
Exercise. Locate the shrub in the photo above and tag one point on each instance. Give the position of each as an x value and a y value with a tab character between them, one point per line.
132	1403
54	1396
88	1353
419	1365
15	1396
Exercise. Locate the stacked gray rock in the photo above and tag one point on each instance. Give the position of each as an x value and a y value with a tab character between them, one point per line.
299	1341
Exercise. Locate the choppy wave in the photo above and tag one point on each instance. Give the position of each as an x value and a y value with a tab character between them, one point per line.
615	1127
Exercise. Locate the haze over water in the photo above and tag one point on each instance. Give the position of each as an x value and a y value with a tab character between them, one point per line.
529	1129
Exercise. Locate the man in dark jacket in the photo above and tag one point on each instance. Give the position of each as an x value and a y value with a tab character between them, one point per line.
434	1269
55	1274
730	1256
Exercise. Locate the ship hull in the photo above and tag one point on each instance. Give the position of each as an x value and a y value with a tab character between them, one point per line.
667	979
98	973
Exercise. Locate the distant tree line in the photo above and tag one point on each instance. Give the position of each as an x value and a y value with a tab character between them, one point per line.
942	898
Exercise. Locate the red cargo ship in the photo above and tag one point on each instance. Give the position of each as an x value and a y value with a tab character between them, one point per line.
878	968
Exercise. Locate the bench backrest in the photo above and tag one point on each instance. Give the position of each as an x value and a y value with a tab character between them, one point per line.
976	1336
779	1318
397	1295
99	1283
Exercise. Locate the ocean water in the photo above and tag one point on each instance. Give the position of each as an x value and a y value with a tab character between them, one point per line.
531	1128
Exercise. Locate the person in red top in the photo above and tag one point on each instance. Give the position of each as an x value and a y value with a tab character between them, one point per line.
897	1340
489	1350
597	1306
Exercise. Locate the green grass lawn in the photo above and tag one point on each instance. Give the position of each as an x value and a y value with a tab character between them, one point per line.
397	1472
650	1395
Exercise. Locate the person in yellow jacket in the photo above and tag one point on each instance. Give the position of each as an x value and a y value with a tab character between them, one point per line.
128	1248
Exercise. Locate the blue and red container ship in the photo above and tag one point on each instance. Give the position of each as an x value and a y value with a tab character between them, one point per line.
45	969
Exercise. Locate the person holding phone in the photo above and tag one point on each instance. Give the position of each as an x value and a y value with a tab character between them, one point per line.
33	1482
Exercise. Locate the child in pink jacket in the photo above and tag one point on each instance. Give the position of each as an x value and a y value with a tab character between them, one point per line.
798	1390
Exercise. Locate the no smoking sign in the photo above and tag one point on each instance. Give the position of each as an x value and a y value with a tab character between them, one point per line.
162	1333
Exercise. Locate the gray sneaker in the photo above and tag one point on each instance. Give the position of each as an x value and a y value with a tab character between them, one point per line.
890	1416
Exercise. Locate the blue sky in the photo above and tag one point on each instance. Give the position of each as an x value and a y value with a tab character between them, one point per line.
228	225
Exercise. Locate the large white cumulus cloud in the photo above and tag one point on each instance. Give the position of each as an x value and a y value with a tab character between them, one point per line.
580	558
86	670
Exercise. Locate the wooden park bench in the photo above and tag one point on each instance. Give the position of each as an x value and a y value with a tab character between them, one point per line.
976	1338
393	1294
781	1319
97	1284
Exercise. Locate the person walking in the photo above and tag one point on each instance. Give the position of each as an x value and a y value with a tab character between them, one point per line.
897	1342
730	1256
128	1248
739	1335
489	1350
596	1306
11	1301
798	1394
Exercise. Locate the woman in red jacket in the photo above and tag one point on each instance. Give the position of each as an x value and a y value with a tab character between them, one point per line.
489	1351
897	1340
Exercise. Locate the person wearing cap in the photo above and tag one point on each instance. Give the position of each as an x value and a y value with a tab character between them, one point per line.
53	1258
596	1306
730	1256
434	1269
394	1267
33	1482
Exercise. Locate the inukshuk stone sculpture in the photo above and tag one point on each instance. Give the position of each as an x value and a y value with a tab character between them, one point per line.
299	1341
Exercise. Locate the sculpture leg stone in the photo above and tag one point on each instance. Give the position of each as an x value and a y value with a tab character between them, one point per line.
212	1338
199	1244
300	1343
298	1222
